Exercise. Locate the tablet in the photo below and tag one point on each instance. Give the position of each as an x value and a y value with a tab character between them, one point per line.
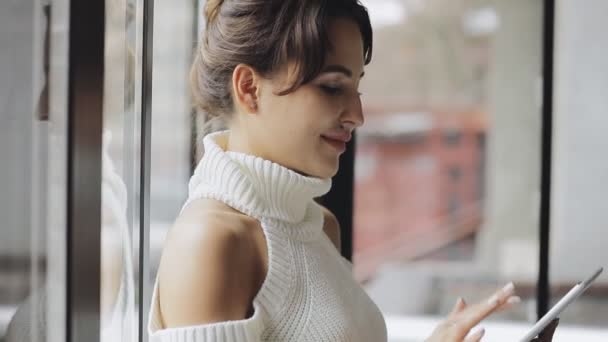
573	294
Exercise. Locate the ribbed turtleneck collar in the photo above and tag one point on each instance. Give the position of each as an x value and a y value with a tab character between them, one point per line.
258	187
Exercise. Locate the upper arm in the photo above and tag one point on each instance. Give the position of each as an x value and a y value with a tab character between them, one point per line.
331	227
207	274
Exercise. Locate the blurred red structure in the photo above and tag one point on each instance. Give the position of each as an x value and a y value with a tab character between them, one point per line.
419	184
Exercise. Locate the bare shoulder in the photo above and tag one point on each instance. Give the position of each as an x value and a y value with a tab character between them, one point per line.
210	267
331	226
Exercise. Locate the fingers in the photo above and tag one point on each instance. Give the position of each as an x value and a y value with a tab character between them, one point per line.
458	307
476	337
476	313
463	318
512	301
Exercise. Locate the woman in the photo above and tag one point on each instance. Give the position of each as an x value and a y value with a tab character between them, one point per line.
252	256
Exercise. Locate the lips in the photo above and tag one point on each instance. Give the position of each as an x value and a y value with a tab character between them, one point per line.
337	140
341	136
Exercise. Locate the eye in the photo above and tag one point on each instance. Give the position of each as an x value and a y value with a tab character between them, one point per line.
331	89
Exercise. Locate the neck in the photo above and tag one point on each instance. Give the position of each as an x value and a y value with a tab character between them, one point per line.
240	141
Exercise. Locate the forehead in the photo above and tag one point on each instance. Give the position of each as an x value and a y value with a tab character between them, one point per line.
346	45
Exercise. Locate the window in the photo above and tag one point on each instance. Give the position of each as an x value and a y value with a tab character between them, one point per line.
455	173
473	68
452	137
121	170
33	141
446	175
175	27
424	236
579	208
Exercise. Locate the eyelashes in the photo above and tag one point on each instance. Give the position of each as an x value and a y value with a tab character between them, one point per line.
334	90
331	90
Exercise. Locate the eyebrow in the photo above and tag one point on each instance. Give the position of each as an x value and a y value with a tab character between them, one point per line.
340	69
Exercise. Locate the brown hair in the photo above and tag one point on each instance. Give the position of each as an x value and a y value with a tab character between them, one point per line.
266	34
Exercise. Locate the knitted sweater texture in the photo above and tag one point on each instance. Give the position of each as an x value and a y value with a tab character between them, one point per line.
309	293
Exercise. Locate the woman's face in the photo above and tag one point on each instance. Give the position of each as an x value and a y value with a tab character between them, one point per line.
307	130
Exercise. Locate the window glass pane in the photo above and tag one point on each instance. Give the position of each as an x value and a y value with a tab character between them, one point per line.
580	168
174	39
448	162
33	140
121	171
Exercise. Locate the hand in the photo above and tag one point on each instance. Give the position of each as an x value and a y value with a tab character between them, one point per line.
463	318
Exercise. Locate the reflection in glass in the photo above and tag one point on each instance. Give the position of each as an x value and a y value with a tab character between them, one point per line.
120	171
118	322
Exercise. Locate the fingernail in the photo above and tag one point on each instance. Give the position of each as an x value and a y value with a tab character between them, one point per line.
479	333
508	288
493	300
514	300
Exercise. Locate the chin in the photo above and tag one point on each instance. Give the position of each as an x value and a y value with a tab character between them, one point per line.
321	168
327	172
323	173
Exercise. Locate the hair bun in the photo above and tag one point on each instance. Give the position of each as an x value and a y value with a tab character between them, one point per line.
212	9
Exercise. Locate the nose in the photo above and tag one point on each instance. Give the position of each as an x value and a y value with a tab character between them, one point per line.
353	113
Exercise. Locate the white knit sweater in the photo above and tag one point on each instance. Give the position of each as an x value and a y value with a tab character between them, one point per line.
309	293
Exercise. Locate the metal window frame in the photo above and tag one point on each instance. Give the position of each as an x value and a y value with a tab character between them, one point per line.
85	121
543	287
85	127
145	168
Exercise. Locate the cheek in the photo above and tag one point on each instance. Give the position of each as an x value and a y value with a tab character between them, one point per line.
310	111
324	102
297	120
322	108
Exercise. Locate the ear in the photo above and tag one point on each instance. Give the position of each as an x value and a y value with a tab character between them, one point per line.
245	87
